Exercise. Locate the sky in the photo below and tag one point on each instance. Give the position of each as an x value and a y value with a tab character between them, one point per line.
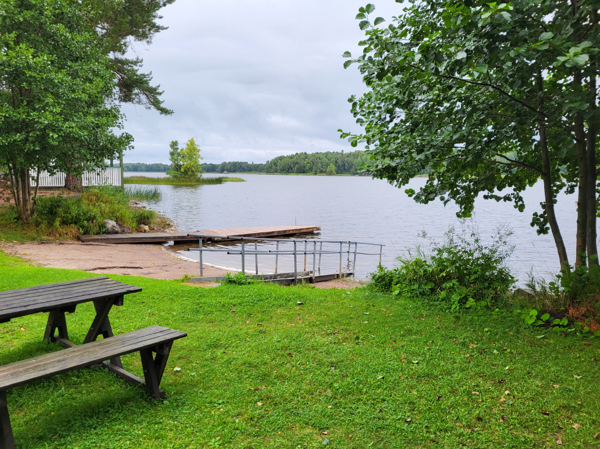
250	80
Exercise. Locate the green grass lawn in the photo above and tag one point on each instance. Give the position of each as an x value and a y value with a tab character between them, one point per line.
345	369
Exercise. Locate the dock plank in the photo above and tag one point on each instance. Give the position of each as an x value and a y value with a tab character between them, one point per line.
163	237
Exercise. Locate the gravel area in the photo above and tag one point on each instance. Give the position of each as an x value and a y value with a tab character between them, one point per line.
151	261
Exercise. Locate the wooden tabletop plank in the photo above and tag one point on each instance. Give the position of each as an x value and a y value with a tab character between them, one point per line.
31	300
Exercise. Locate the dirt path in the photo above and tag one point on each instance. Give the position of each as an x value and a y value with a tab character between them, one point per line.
151	261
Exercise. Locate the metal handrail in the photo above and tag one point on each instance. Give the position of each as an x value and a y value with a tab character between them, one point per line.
277	252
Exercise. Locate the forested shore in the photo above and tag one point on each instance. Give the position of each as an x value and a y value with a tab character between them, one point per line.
329	163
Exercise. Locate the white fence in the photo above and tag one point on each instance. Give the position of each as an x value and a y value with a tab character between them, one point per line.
109	176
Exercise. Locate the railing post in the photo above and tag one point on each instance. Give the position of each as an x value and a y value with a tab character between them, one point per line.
341	252
200	259
348	261
276	257
256	256
295	264
243	257
380	253
314	260
354	264
305	248
320	255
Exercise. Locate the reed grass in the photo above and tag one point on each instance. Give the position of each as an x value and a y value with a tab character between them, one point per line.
143	193
179	182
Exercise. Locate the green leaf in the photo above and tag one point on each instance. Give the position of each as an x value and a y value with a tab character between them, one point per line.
547	35
545	317
378	20
481	68
347	64
506	16
347	54
540	336
581	59
364	25
360	16
461	55
597	334
370	8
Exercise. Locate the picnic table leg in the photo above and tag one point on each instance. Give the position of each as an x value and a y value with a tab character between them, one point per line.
56	320
7	441
154	368
101	324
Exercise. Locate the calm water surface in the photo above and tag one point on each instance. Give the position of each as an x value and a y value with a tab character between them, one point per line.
358	208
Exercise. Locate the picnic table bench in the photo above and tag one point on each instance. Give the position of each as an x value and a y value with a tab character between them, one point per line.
153	343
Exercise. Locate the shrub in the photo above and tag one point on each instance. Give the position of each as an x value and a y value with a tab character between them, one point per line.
238	279
88	212
462	272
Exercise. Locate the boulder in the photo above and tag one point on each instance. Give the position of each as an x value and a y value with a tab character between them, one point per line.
112	227
144	228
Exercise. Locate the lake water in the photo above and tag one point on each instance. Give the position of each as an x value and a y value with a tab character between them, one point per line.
358	209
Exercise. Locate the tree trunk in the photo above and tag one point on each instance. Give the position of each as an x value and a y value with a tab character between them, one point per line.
25	188
582	207
547	179
73	183
592	209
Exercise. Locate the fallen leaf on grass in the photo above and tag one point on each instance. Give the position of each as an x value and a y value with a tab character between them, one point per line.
559	441
587	343
545	413
259	324
507	392
474	392
408	420
259	403
576	426
502	399
596	436
325	433
555	386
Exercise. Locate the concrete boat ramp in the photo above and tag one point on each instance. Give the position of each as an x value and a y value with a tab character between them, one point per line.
164	237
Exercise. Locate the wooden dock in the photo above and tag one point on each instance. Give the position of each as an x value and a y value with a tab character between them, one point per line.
164	237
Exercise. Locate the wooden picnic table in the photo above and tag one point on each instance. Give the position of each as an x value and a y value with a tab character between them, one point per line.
153	343
64	297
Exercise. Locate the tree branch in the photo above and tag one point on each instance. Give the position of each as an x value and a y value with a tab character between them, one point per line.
491	86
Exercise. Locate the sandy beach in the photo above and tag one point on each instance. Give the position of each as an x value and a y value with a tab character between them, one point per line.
151	261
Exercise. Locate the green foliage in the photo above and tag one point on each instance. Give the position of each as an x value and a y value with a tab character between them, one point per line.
486	98
139	166
319	163
123	22
55	85
303	360
185	162
175	158
239	279
88	212
190	160
461	272
330	170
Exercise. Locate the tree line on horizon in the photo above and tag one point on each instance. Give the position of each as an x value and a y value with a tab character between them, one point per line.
330	163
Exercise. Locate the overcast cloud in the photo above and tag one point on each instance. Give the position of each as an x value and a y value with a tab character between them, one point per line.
251	79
